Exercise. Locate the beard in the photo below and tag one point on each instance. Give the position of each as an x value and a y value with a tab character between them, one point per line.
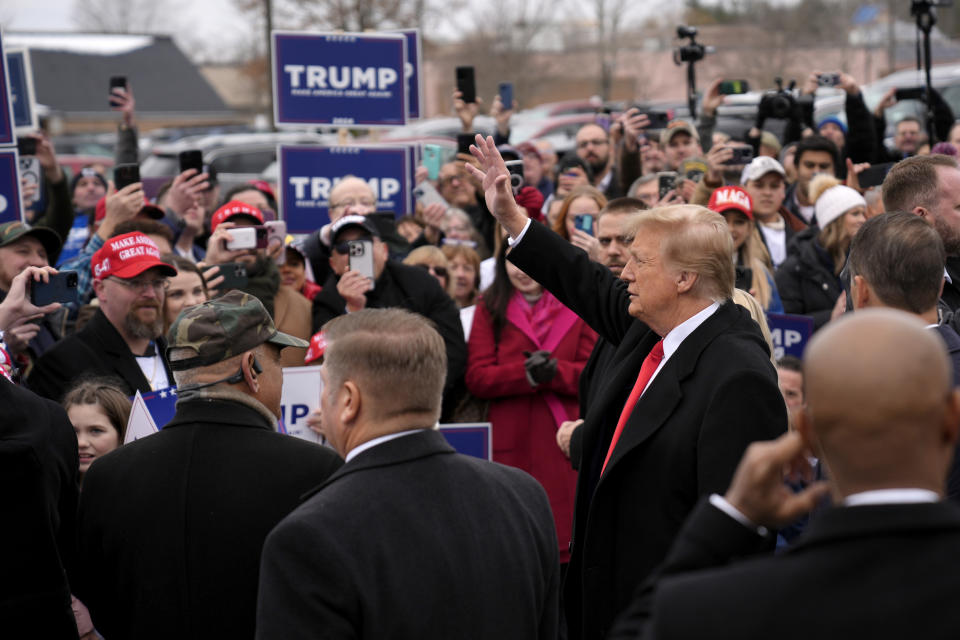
597	166
137	328
949	235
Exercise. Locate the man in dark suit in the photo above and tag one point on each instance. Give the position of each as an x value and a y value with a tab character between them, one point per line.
929	187
691	385
394	285
896	261
38	491
123	339
171	526
882	414
408	539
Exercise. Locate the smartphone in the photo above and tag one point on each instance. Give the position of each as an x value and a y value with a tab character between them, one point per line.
27	146
828	79
116	82
741	156
666	182
584	223
515	167
658	119
125	174
234	276
466	84
248	238
873	176
361	257
433	159
426	194
277	235
734	87
191	159
913	93
464	140
506	94
62	288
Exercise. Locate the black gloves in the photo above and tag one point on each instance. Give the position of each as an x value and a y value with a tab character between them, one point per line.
540	367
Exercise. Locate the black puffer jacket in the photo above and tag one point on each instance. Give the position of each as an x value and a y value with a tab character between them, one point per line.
806	279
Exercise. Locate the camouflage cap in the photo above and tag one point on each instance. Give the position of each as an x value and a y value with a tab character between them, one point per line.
10	232
222	328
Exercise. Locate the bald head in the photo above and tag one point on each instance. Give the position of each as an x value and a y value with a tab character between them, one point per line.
880	409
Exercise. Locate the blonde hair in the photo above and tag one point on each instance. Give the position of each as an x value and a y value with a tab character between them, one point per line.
833	237
752	305
753	254
694	239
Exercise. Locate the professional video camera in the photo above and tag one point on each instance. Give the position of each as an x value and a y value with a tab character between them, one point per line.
781	103
691	53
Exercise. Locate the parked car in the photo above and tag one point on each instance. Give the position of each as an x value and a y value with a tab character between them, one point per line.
236	158
442	127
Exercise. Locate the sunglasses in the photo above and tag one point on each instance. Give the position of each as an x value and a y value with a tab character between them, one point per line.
437	271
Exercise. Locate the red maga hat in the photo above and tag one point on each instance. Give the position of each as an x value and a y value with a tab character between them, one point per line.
127	256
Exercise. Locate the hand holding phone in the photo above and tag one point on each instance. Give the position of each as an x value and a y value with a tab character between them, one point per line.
360	254
116	82
61	287
583	223
466	84
234	276
241	238
125	174
191	159
506	95
432	159
733	87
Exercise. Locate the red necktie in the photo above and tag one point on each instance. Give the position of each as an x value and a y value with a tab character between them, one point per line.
650	364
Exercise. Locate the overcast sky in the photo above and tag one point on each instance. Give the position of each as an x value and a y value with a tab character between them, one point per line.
208	20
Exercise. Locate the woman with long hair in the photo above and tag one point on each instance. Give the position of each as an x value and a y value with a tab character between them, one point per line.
99	412
583	206
186	289
809	279
750	257
464	281
525	355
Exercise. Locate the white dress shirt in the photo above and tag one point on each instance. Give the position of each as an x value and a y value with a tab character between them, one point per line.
369	444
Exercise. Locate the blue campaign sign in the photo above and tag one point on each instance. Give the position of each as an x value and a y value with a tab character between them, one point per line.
7	134
470	438
790	333
160	404
11	204
350	79
21	89
307	174
414	65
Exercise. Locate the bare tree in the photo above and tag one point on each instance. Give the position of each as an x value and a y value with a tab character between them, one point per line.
610	17
125	16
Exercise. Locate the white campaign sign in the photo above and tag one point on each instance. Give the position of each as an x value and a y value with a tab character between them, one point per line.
301	395
141	423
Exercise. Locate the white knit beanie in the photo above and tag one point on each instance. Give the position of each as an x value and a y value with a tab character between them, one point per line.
836	201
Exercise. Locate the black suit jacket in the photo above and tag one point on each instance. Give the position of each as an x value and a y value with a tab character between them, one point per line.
881	571
97	350
38	505
171	526
412	540
684	439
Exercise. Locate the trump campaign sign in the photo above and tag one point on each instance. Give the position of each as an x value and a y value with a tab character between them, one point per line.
308	173
7	134
414	64
790	333
11	204
22	97
349	79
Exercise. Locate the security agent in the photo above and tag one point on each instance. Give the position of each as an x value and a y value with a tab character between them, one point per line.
171	526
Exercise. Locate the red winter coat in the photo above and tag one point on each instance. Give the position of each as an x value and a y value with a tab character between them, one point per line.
524	424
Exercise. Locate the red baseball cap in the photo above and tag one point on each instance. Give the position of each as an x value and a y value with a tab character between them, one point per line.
148	209
127	256
318	344
735	198
232	209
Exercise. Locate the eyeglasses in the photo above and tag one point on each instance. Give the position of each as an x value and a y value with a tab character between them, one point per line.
343	204
141	286
598	142
437	271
